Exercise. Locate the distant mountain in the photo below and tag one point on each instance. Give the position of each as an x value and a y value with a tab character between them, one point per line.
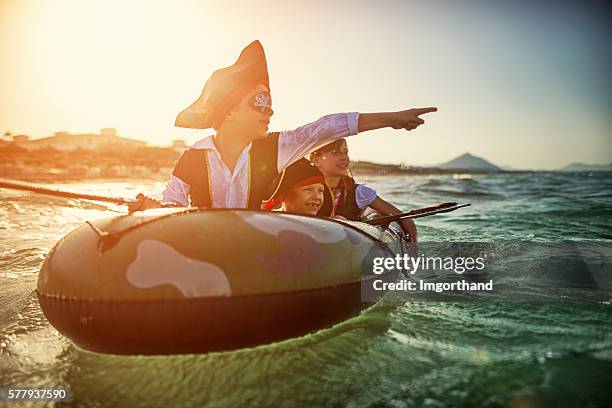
469	162
587	167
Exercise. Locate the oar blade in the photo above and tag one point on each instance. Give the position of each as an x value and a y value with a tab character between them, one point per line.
419	213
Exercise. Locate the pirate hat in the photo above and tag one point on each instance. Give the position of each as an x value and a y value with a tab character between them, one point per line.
299	174
225	88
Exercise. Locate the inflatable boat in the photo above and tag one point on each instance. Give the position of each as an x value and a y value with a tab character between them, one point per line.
173	281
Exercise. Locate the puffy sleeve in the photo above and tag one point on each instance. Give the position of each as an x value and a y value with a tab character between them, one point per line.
297	143
176	192
364	195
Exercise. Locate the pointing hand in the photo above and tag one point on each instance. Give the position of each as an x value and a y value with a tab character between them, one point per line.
409	119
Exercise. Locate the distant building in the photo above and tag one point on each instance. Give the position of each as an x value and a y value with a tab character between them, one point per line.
111	132
21	139
66	141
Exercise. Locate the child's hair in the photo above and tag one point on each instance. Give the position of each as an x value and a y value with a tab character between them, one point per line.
327	148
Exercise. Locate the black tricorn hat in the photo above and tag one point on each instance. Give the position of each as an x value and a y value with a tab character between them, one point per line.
225	88
301	173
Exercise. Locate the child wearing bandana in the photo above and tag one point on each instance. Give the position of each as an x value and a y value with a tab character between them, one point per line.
301	190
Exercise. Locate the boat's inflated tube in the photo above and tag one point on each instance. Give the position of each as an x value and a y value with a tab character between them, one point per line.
193	281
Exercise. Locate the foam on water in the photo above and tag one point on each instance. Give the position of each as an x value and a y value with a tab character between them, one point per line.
416	353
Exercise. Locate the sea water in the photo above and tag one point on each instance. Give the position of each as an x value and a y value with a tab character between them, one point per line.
412	353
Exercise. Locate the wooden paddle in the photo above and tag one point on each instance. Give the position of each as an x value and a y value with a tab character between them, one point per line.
418	213
35	188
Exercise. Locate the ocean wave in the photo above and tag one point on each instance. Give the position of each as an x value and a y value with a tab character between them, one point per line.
436	192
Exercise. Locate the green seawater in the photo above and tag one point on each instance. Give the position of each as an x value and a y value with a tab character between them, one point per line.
493	352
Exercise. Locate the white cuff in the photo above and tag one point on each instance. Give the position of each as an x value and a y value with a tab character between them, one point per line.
353	123
176	192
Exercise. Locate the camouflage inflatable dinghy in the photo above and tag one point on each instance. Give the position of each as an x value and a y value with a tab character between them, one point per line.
193	281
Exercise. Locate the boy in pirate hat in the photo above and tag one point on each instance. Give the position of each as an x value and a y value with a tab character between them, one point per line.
236	167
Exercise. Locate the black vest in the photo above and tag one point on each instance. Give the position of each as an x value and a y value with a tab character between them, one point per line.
193	168
347	206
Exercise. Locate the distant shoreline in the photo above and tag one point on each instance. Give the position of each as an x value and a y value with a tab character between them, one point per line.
50	165
369	169
156	163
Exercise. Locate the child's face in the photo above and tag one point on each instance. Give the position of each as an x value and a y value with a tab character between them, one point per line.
335	162
251	114
305	200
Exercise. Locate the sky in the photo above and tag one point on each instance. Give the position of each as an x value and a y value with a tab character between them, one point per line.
520	84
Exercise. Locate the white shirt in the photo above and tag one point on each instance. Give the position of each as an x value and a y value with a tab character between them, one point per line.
364	195
230	189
